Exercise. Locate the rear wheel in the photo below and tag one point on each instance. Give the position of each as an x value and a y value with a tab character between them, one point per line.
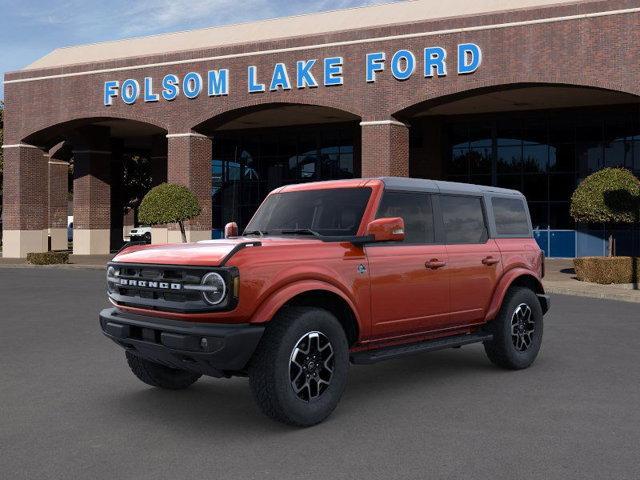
299	370
158	375
517	330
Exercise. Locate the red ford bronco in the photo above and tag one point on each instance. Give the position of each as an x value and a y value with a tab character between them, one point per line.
330	273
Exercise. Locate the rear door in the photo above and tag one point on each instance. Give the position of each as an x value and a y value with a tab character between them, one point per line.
474	259
410	279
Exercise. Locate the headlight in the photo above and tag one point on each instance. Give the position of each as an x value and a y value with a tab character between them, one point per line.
111	274
213	288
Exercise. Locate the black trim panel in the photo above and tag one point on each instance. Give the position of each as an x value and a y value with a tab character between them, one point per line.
208	349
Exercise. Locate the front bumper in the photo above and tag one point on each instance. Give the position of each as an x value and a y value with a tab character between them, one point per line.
209	349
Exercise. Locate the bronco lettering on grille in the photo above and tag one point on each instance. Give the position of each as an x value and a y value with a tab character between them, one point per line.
149	284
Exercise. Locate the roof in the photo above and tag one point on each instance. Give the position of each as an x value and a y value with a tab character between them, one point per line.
439	186
279	28
404	183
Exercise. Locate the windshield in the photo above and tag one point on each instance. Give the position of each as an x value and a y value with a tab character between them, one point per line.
326	212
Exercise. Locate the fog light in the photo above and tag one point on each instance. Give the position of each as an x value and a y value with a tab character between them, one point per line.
204	343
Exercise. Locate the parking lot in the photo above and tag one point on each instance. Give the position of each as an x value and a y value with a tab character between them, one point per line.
70	408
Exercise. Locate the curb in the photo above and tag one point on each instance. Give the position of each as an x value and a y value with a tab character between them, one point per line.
63	266
622	297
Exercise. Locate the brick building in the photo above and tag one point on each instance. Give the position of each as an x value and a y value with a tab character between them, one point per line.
527	94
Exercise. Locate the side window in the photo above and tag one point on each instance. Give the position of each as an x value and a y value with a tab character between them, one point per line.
511	217
416	211
463	219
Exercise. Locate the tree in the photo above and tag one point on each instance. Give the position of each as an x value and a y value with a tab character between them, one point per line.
611	195
169	203
136	181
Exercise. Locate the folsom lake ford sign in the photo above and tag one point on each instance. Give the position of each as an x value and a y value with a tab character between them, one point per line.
309	73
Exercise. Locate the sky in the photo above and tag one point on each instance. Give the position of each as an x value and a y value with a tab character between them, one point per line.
29	29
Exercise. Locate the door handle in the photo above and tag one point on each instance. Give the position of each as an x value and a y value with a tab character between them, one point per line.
434	264
488	261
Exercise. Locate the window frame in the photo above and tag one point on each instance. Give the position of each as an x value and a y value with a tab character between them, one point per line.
438	238
489	229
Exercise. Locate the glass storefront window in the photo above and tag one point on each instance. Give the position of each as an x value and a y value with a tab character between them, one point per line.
250	163
544	154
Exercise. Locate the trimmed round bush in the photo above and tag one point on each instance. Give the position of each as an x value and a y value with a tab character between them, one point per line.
610	195
169	203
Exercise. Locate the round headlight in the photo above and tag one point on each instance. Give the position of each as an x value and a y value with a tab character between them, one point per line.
111	272
215	290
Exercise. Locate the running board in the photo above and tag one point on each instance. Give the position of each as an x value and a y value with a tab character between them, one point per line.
389	353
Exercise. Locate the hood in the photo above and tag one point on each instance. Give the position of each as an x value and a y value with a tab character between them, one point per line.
210	253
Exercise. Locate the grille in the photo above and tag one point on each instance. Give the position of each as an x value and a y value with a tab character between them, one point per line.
162	287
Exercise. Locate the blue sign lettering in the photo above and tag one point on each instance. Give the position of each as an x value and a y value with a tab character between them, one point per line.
216	82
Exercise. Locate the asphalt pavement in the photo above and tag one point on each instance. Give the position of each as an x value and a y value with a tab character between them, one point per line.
71	409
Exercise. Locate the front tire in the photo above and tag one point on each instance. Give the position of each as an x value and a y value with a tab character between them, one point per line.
299	370
517	330
158	375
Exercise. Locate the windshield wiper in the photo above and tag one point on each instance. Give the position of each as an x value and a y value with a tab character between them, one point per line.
260	233
300	231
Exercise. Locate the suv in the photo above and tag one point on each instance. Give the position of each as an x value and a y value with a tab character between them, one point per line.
332	273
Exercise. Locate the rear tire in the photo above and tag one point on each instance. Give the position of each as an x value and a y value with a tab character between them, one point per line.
158	375
299	370
517	330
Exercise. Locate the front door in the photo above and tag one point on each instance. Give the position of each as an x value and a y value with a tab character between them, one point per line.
409	280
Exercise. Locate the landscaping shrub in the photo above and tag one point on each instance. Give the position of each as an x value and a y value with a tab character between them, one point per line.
48	258
169	203
607	270
609	196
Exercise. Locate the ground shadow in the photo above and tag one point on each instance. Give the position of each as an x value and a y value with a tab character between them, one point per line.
228	404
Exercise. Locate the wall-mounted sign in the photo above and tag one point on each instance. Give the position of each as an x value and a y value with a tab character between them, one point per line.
309	73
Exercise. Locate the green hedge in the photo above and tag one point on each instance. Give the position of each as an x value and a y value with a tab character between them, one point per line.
607	270
610	195
48	258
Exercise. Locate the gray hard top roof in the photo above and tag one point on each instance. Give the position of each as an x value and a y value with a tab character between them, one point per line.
439	186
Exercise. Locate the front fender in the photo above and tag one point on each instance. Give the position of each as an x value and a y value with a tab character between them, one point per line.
270	306
505	282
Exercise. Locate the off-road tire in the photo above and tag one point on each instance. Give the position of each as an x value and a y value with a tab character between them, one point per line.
158	375
501	350
269	368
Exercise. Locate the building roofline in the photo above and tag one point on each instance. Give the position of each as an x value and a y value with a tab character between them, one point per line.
276	29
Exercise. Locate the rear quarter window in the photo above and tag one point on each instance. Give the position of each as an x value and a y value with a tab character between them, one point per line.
511	217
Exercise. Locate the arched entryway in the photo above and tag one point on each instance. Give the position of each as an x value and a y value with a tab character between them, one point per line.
537	138
92	171
259	148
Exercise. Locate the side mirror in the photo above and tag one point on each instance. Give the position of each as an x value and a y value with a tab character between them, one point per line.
386	229
231	230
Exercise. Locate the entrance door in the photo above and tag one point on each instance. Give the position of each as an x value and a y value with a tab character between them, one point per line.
409	280
474	259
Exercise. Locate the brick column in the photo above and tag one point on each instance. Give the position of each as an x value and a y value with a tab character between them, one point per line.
58	191
159	233
25	211
189	164
385	148
92	192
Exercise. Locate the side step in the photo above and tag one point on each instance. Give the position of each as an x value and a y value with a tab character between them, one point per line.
389	353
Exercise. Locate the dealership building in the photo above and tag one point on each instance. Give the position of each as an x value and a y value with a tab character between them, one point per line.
527	94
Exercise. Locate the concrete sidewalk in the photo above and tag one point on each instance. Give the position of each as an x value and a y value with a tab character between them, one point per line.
93	262
560	278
